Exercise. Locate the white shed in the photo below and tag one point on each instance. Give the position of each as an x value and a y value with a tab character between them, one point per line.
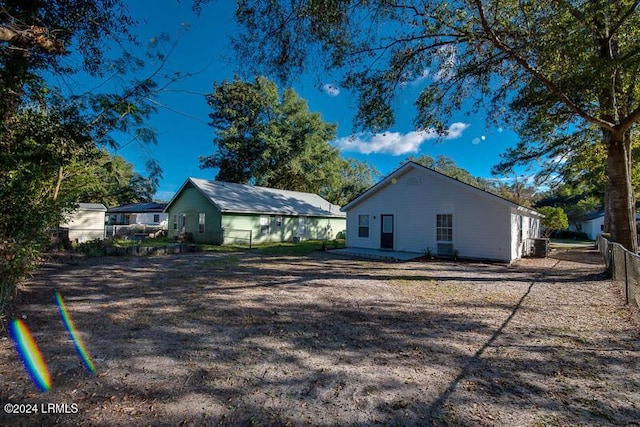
416	209
86	222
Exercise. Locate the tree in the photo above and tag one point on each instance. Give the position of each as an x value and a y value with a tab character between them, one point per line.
447	166
552	64
554	219
42	132
356	177
104	178
266	139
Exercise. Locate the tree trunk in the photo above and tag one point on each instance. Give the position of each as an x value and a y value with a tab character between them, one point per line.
607	213
622	205
56	189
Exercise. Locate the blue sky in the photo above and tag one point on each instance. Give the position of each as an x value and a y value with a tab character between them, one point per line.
203	50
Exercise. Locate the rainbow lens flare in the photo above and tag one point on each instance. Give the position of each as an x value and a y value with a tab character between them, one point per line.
30	354
77	341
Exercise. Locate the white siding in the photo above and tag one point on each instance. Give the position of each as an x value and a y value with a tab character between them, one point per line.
148	218
480	230
85	225
592	227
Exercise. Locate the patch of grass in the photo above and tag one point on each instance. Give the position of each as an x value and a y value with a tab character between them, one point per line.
278	248
160	241
222	249
298	249
571	241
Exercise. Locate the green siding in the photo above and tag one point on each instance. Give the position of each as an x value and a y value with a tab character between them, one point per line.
190	203
237	228
240	227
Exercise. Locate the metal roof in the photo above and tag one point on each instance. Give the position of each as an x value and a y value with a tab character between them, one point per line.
138	208
240	198
91	207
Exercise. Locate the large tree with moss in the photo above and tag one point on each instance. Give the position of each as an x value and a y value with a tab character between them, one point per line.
549	63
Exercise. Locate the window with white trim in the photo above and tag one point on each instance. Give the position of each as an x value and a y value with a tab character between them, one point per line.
444	227
201	218
363	226
264	225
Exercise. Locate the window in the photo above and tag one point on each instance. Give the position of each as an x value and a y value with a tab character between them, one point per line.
264	225
175	222
156	218
363	225
302	226
201	223
519	222
278	221
444	227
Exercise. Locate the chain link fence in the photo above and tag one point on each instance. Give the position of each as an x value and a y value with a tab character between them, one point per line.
624	267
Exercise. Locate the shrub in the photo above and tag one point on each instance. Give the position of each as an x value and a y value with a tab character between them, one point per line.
97	247
554	219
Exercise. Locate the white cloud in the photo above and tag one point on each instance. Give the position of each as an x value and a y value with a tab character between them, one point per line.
331	89
455	130
395	143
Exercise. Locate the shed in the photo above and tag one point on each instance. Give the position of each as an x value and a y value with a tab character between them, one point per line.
222	213
416	209
86	222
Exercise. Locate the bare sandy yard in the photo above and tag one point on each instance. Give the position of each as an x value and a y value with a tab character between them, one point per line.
244	338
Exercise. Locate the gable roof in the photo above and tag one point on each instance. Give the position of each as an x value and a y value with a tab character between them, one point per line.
590	216
593	215
98	207
138	208
240	198
463	185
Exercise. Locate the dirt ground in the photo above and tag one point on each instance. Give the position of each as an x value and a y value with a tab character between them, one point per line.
250	339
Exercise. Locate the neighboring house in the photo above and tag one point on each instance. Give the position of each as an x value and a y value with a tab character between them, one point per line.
592	224
138	213
416	209
223	213
86	222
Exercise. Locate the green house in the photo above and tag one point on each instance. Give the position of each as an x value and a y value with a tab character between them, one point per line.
225	213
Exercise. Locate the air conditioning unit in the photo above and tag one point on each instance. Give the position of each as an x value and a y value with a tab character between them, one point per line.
538	247
445	249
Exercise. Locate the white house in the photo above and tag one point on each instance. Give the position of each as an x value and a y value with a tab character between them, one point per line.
416	209
592	224
86	222
151	213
